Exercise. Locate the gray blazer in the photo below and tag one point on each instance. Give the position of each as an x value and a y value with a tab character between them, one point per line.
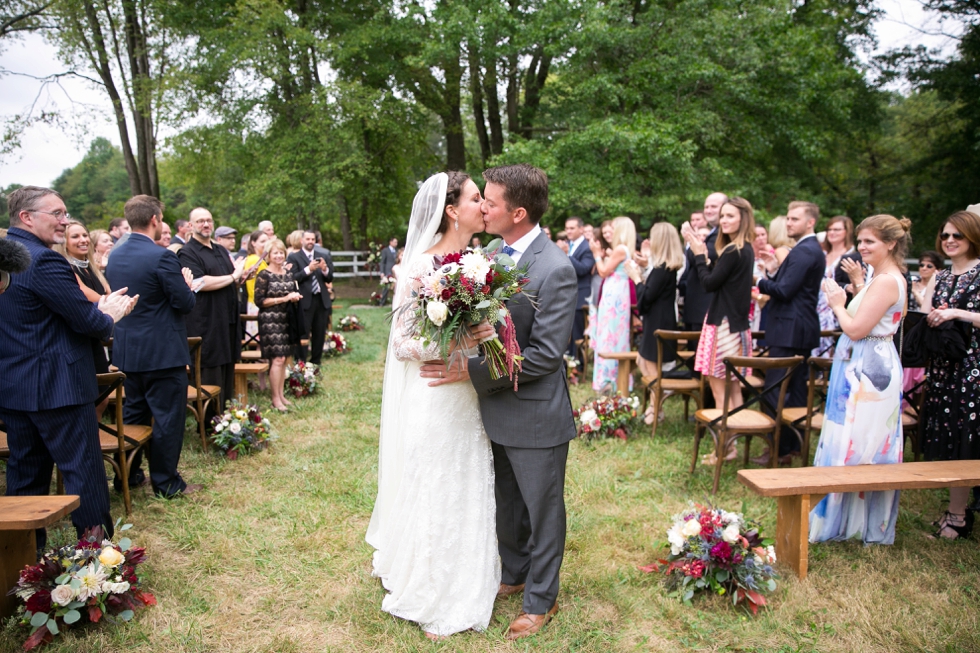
387	260
539	414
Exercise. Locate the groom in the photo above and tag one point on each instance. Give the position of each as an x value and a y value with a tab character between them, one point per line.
529	428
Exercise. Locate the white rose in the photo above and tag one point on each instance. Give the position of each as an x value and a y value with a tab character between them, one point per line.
771	552
475	267
730	534
219	428
235	428
437	312
63	594
691	528
676	540
587	416
118	588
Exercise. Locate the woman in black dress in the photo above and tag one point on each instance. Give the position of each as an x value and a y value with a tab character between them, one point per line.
274	290
656	299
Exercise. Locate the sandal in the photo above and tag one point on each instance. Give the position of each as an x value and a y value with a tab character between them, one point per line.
648	416
711	460
947	523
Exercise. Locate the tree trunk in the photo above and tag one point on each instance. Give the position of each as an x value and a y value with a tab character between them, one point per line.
535	78
345	230
139	70
362	231
476	92
452	118
513	95
493	107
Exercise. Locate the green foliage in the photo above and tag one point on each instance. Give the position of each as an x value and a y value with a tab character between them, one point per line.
97	187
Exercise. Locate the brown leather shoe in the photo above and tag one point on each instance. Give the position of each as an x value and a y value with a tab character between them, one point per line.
192	488
509	590
528	624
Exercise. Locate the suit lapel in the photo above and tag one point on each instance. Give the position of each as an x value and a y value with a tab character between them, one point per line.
530	256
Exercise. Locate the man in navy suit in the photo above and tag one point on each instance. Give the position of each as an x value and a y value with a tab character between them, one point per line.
580	255
313	269
47	384
151	346
793	327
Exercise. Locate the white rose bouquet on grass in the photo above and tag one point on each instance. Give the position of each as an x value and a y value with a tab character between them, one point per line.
241	430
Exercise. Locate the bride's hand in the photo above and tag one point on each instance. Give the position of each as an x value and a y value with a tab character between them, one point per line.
443	374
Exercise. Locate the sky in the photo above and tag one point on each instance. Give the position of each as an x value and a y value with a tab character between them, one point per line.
46	150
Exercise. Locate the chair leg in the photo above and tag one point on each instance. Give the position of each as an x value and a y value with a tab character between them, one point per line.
698	433
124	475
61	481
722	441
657	403
687	405
201	426
748	446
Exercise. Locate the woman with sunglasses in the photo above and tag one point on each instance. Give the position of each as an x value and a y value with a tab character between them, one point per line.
949	417
930	262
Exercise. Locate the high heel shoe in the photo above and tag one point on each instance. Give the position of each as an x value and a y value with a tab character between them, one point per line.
947	522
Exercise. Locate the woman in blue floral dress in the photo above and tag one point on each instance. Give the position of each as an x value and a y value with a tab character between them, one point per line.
612	317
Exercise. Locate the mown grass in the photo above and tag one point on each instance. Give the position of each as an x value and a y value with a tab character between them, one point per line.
271	556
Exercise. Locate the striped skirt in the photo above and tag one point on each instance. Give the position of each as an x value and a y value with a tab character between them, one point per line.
716	343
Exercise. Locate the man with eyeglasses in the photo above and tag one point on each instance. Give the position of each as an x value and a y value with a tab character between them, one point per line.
47	385
215	317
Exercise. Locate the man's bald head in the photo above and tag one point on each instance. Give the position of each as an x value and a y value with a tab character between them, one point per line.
712	208
202	223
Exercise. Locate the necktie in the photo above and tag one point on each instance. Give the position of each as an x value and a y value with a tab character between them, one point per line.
508	250
316	284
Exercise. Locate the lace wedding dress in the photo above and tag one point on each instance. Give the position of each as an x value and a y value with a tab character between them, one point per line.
433	525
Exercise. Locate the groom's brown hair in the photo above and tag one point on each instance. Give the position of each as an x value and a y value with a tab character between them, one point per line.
524	186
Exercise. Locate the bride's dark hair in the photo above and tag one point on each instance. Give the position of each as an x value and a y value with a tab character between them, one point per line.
453	190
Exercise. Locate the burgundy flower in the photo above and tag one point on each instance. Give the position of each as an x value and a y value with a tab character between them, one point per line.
696	569
722	551
40	601
447	293
31	575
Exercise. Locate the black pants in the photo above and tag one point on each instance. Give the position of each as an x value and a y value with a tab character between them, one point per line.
67	437
159	398
317	318
795	394
578	333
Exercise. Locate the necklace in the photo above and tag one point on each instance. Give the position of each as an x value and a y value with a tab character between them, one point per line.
77	263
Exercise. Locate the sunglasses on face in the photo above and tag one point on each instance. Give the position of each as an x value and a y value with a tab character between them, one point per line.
946	236
928	266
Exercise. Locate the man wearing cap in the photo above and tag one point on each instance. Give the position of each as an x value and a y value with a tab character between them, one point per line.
225	236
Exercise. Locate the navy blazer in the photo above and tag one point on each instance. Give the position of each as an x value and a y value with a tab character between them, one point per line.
154	336
697	300
46	332
792	321
583	261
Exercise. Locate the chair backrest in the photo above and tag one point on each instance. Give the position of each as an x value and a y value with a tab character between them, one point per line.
755	395
818	366
664	335
112	383
194	347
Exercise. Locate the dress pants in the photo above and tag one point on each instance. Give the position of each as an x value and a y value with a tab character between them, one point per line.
159	398
67	437
795	393
530	494
317	318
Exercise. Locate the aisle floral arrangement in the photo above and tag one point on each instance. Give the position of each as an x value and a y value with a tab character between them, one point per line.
335	345
466	288
302	378
571	366
241	429
91	581
350	323
717	551
606	417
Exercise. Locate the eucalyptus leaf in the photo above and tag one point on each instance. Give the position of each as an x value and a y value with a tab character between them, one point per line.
721	575
74	605
52	626
486	303
38	619
126	615
62	579
125	543
125	527
72	616
494	245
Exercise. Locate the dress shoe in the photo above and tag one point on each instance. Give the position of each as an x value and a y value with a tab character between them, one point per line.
528	624
509	590
192	488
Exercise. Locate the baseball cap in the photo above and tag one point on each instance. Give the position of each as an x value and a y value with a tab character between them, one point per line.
221	232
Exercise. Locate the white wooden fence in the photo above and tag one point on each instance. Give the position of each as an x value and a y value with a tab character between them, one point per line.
351	264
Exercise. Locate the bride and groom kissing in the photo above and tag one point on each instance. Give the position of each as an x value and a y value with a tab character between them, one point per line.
471	472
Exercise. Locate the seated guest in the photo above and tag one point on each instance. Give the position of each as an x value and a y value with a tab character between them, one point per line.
279	326
656	299
151	345
47	384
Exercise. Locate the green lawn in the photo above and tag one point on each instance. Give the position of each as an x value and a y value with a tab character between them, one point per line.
271	556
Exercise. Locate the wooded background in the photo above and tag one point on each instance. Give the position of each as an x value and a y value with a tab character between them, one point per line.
329	113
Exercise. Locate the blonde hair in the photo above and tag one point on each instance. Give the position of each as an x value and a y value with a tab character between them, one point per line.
295	239
93	264
665	246
746	226
624	233
273	243
777	233
95	235
175	247
890	229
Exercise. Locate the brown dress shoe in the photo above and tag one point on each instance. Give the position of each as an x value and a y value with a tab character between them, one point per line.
528	624
192	488
509	590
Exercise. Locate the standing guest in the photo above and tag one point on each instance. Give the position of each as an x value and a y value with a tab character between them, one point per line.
562	241
862	423
779	238
215	317
696	298
164	239
612	326
183	228
243	247
294	241
728	278
924	286
792	325
475	242
583	260
838	246
151	346
656	299
225	236
102	243
587	231
759	245
254	263
698	221
313	269
387	262
266	227
949	426
274	290
48	386
547	231
118	227
604	236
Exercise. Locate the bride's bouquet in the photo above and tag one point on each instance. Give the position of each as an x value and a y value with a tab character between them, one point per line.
464	289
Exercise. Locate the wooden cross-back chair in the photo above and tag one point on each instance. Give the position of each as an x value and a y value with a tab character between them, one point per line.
744	421
806	420
120	442
200	396
682	381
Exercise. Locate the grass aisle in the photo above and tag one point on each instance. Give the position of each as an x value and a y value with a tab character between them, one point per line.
271	556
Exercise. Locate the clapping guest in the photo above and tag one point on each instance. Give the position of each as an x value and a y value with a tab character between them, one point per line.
275	290
779	238
729	280
613	311
101	242
930	262
838	245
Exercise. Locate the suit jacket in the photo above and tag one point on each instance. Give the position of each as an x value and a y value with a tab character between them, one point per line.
792	321
300	261
154	335
583	261
696	298
387	260
46	334
539	413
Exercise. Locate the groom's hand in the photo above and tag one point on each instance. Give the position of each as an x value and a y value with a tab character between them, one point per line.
441	374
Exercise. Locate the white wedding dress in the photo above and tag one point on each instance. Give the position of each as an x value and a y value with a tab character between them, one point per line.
433	524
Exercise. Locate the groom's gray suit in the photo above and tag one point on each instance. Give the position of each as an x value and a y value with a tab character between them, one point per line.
530	429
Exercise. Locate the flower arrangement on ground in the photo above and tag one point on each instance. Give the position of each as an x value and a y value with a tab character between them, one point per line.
241	430
605	417
376	298
464	289
334	344
571	366
350	323
90	581
302	378
373	261
718	551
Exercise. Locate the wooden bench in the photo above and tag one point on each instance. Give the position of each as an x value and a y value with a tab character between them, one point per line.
242	370
800	488
627	359
19	516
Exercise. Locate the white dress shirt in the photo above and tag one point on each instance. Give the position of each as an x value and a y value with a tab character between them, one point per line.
522	243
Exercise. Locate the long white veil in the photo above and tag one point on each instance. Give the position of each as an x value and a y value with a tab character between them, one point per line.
427	211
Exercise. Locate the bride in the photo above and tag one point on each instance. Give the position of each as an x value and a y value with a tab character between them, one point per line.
433	525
